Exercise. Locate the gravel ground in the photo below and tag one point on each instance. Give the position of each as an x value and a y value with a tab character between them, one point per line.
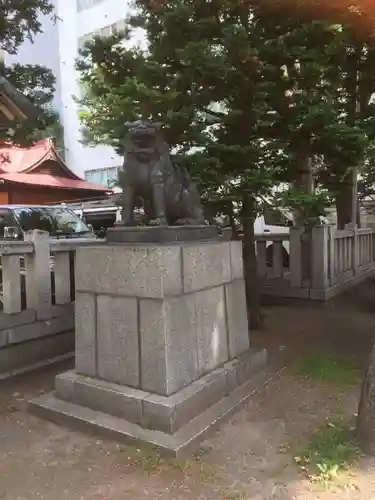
250	457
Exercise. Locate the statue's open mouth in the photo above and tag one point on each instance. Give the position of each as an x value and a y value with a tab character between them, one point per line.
144	141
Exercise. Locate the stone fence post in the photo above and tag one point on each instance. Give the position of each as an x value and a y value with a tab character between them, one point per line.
295	256
371	225
11	285
321	256
38	274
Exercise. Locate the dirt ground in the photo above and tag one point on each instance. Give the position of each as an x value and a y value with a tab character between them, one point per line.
250	457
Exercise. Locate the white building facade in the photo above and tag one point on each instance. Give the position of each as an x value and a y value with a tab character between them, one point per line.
57	48
78	21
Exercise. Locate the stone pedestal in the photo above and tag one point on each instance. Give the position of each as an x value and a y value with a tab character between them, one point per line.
162	344
160	234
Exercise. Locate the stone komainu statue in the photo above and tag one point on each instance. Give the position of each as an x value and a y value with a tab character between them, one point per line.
167	194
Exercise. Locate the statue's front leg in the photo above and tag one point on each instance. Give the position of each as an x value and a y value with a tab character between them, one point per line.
158	199
127	204
127	197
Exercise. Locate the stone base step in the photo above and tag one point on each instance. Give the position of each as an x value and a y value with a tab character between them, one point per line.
185	440
154	412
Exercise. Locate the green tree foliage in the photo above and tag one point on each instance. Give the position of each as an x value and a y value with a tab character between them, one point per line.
295	64
349	145
20	21
38	85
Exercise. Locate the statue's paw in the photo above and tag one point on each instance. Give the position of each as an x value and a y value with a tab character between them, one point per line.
158	221
188	222
125	223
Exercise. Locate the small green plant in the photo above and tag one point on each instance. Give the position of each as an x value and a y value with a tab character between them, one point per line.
149	458
327	369
206	472
233	495
201	452
329	452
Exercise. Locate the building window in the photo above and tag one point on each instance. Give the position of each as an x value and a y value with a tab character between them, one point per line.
104	32
112	175
120	26
87	4
84	39
105	176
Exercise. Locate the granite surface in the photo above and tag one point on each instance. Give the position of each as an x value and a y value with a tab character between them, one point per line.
160	234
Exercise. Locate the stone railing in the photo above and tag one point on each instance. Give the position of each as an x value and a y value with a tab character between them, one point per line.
352	253
37	300
272	255
317	263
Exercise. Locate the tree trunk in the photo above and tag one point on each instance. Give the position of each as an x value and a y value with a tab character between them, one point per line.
252	282
358	214
344	198
366	409
232	220
304	178
344	204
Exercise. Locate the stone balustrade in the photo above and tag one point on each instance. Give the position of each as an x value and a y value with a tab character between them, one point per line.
37	300
316	263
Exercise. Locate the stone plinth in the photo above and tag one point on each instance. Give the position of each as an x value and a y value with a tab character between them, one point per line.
163	413
160	234
162	342
157	318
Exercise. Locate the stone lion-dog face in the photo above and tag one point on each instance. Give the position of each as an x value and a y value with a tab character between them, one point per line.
145	141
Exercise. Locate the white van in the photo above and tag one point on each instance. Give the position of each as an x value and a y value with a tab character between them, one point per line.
274	221
277	221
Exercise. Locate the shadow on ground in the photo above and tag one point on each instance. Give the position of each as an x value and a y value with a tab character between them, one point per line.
343	326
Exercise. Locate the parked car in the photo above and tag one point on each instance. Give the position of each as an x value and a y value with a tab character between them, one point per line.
59	221
99	214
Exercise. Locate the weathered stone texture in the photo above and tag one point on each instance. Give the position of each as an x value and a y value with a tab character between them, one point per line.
86	334
168	344
205	265
117	340
238	330
131	271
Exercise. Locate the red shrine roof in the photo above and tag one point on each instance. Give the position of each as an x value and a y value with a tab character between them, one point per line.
25	166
